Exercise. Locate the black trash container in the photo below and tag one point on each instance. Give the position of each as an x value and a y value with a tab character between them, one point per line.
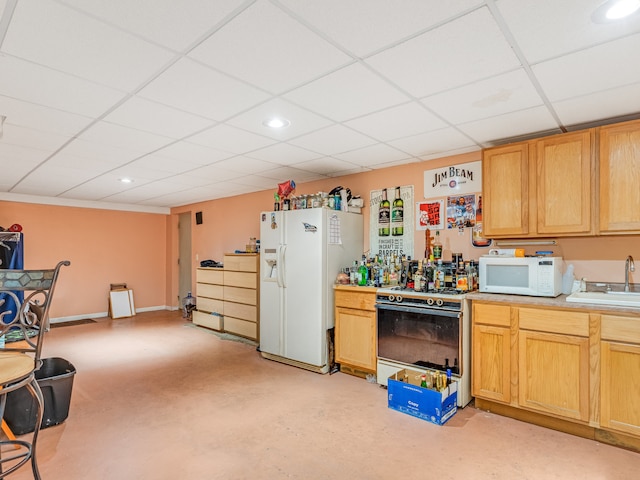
55	379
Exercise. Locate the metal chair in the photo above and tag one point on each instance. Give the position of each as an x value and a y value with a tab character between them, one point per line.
20	360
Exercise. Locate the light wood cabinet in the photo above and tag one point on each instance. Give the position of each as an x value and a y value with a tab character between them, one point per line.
355	329
491	352
227	298
540	188
241	295
209	298
620	374
620	178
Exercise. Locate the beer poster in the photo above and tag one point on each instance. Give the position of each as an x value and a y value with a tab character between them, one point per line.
430	215
391	227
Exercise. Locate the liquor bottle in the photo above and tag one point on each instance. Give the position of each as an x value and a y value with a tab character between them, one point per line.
462	278
363	274
384	212
429	274
397	215
437	246
448	377
417	278
423	381
439	276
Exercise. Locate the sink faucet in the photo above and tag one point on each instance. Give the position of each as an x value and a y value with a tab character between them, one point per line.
628	266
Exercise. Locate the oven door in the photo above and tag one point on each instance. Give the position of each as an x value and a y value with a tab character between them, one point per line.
425	337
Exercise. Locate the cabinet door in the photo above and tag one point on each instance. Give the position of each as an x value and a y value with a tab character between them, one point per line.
620	178
554	374
355	338
620	387
505	190
564	191
491	363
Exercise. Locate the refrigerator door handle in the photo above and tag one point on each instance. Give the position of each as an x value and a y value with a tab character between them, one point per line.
281	265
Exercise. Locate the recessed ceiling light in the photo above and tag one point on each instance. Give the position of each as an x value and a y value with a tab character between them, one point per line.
126	180
613	10
276	122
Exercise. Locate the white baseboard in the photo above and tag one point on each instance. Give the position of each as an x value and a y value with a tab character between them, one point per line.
72	318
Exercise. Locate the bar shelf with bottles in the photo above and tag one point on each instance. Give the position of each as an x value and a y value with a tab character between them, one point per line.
426	275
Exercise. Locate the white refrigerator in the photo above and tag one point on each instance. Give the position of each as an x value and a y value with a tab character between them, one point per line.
301	253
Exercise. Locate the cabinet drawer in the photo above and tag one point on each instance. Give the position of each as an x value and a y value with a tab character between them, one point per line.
240	295
207	320
241	310
355	300
240	279
554	321
209	275
621	329
241	327
205	304
209	290
490	314
241	263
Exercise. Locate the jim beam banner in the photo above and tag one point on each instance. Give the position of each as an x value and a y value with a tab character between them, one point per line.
391	222
465	178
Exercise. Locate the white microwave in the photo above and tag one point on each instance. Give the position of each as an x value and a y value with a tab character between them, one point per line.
536	276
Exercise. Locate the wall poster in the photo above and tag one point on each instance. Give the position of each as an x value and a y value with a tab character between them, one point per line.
391	221
430	215
459	179
461	211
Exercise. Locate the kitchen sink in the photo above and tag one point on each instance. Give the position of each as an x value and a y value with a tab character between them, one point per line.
621	299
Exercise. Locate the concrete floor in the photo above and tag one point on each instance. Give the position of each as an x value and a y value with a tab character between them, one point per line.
156	398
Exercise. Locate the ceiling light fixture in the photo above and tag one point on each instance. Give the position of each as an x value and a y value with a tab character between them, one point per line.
126	180
276	122
613	10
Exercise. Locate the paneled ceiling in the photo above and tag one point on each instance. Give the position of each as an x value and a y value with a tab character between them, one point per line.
174	94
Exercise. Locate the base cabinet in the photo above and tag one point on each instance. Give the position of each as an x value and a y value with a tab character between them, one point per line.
355	333
620	369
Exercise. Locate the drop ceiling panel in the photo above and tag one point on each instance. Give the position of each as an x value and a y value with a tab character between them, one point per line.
245	165
77	44
191	152
595	106
99	152
270	49
486	131
333	139
105	133
591	70
326	166
153	117
302	121
40	85
439	141
550	28
364	26
373	155
164	165
457	53
231	139
487	98
397	122
166	22
28	137
283	154
197	89
282	174
41	118
348	93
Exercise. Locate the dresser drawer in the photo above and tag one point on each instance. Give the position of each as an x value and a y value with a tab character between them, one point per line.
355	300
205	304
240	295
554	321
209	275
241	310
207	320
210	291
241	327
241	263
491	314
240	279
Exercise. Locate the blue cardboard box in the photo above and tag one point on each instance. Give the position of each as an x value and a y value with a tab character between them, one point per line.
410	398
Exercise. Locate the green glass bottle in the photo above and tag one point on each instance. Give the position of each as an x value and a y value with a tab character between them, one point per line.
384	210
397	215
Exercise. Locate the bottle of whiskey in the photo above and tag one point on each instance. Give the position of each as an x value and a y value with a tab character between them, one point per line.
384	212
397	215
437	246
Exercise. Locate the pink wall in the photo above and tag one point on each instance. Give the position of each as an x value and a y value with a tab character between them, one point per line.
141	249
104	247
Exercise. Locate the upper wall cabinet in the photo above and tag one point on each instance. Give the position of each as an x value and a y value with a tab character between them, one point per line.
540	188
620	178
